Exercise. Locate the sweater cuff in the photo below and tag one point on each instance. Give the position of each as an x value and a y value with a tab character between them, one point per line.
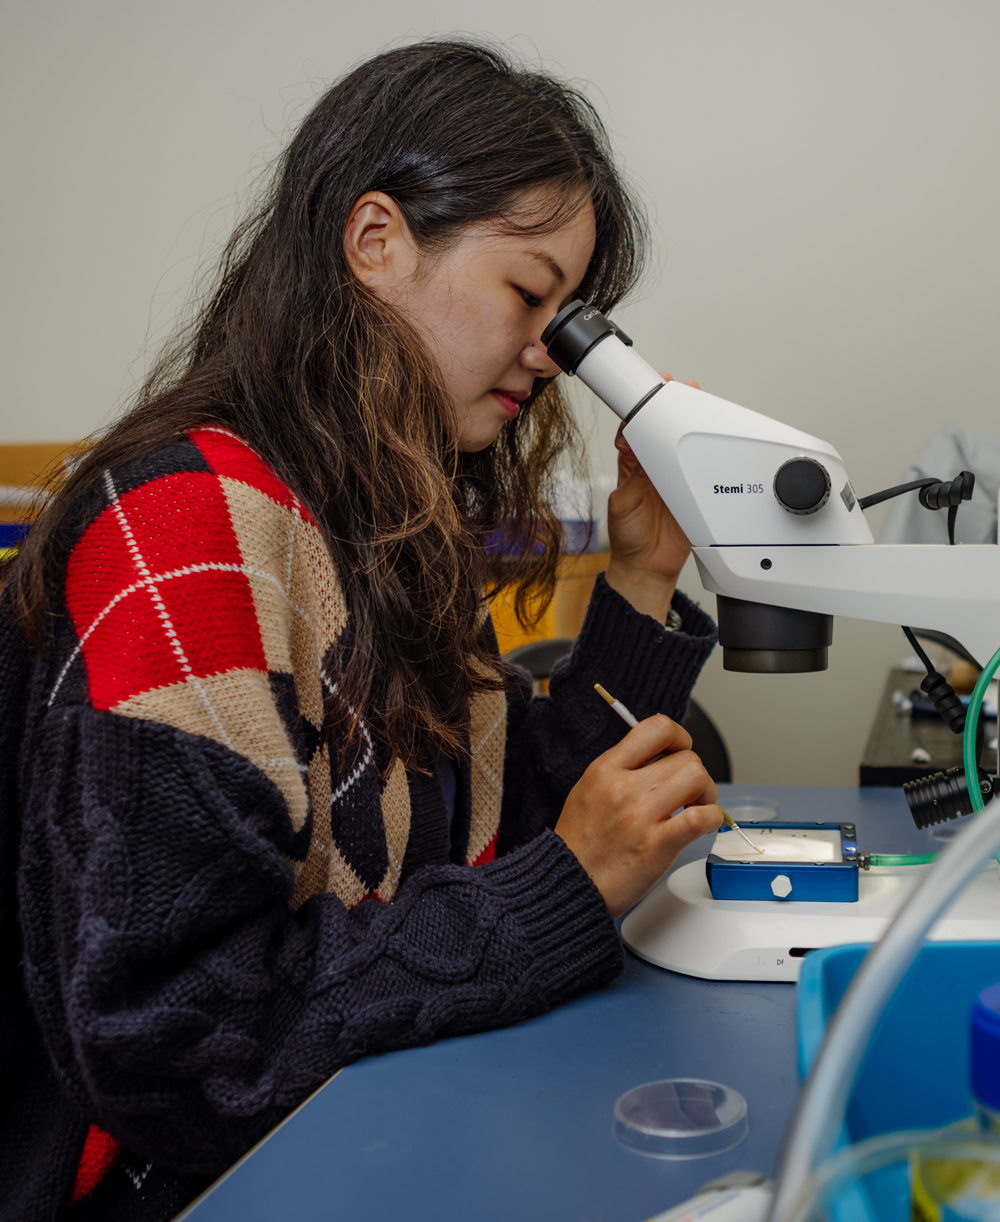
575	944
650	669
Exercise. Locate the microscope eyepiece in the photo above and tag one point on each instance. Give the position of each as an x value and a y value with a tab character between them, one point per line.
574	331
561	319
614	371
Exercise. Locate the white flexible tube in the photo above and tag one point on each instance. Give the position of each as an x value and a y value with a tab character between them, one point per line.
821	1108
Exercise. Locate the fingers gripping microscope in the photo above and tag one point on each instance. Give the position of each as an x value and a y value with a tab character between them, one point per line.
779	534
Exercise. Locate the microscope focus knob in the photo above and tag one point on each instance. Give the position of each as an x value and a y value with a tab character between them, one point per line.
802	485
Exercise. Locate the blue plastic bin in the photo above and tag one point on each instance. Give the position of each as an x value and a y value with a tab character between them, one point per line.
12	534
916	1071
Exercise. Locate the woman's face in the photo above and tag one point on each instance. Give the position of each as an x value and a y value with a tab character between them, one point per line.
480	306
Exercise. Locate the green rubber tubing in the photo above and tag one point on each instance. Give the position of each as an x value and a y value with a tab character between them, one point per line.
969	761
902	859
969	736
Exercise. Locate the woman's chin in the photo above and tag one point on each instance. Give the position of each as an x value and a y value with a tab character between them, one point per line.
480	439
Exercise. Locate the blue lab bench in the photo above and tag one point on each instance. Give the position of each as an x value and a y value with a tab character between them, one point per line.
517	1123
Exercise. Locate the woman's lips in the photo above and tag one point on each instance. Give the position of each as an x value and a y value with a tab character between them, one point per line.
509	404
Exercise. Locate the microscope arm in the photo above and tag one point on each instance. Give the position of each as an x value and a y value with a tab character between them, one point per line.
955	590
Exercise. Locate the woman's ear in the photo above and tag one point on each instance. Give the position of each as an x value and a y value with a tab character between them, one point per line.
377	242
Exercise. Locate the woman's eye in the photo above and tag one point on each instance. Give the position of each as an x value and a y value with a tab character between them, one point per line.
529	298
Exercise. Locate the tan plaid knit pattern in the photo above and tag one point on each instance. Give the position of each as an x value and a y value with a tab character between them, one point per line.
300	612
488	741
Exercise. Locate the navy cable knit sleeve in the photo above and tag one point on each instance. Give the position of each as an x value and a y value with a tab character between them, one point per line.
552	739
186	1008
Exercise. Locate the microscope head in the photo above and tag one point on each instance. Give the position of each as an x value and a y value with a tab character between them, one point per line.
731	477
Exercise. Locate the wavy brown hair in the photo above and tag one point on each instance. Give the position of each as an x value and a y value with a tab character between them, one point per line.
336	391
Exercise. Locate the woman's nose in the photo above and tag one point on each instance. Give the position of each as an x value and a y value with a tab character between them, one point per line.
535	358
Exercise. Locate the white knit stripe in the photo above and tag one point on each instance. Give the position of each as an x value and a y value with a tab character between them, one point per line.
215	428
357	772
395	865
138	1178
352	778
187	570
161	610
283	763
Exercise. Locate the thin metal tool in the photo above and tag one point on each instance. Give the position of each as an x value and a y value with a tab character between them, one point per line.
629	720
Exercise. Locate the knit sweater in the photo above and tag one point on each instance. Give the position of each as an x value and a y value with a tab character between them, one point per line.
203	914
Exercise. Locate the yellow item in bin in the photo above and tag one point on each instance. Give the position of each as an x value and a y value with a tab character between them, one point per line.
942	1189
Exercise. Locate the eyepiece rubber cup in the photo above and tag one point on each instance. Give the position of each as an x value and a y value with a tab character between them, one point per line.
574	331
560	320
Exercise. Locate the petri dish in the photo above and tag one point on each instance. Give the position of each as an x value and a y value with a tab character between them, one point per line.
681	1118
752	810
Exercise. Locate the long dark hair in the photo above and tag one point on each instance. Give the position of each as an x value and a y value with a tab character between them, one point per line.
333	388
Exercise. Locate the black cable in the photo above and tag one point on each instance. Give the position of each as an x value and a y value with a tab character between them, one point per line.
952	515
948	491
942	795
877	498
940	692
928	664
934	494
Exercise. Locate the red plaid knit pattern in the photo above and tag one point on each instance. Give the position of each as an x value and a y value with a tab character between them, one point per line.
192	592
100	1153
135	560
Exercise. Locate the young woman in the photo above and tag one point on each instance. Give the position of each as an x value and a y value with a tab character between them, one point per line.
270	800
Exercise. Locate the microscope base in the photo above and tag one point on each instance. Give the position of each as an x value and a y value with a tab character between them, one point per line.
681	927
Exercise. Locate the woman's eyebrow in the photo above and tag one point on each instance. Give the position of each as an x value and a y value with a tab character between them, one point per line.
550	263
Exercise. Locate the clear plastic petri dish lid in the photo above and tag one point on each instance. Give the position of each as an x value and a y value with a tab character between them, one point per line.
681	1118
753	810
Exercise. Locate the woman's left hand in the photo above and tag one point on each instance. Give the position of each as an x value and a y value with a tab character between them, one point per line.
648	548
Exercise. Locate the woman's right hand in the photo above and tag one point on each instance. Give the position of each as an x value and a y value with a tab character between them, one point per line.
617	818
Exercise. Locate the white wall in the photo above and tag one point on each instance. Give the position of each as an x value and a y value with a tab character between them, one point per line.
824	179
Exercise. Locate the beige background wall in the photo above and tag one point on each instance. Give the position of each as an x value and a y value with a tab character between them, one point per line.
823	177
